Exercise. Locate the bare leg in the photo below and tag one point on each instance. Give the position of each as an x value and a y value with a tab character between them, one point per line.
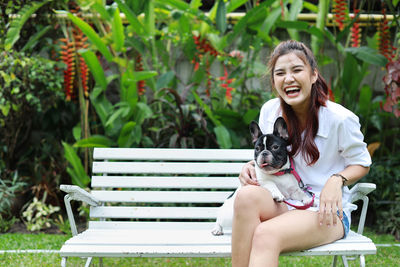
253	204
293	230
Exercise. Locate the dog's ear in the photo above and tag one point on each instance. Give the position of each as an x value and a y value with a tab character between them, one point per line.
280	129
255	131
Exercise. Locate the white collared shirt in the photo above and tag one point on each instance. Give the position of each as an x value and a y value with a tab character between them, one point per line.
339	141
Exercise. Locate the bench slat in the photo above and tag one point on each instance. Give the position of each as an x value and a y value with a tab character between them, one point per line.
154	212
165	182
126	225
175	242
173	154
167	167
162	196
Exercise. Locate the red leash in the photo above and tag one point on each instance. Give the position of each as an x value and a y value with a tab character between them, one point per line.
291	170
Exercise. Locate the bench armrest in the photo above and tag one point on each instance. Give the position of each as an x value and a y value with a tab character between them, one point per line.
359	192
76	193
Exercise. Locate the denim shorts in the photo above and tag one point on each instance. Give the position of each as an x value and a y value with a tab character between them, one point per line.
346	224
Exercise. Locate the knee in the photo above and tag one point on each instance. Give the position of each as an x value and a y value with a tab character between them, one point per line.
246	199
265	238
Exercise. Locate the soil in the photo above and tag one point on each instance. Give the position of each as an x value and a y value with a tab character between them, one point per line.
20	227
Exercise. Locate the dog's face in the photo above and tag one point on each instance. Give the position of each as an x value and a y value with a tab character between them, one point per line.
270	152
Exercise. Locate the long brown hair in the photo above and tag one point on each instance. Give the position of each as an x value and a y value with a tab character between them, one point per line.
319	96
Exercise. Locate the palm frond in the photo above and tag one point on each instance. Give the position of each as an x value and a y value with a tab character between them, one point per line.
18	22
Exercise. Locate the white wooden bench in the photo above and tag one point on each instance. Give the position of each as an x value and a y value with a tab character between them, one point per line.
163	203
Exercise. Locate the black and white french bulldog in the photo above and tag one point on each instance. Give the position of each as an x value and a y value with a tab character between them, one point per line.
270	157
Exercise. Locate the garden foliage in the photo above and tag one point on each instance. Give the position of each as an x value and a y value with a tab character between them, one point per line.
172	73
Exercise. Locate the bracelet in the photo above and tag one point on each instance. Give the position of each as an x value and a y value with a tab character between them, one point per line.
344	179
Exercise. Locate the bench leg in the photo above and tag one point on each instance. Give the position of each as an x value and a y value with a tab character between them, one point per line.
362	261
88	261
334	261
345	263
63	262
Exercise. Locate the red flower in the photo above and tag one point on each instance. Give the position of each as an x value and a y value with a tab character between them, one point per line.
340	12
228	92
385	47
355	30
139	67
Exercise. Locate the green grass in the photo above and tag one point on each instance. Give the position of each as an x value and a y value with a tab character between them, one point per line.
386	256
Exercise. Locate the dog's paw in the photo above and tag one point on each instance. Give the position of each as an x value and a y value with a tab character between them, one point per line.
217	230
277	195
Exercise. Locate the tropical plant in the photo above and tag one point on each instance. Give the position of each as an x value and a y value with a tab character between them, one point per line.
13	31
38	215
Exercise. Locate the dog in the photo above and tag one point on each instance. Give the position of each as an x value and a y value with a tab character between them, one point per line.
270	157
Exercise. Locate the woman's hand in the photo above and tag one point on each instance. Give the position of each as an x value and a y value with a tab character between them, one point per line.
330	201
248	174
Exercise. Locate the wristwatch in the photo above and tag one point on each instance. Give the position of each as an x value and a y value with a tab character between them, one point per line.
344	179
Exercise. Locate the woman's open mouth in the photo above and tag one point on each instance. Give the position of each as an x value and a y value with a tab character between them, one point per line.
292	91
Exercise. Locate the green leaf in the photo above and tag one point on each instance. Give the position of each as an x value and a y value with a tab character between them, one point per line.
299	25
364	103
241	25
368	55
206	109
94	141
92	36
269	22
33	39
143	112
250	115
18	22
295	9
195	4
143	75
100	8
95	68
221	16
223	137
126	137
101	104
117	115
118	31
137	26
165	79
232	5
77	172
149	17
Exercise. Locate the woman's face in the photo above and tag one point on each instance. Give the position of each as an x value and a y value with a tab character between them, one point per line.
293	80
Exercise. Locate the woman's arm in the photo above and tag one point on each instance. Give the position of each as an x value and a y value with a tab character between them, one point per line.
331	194
353	173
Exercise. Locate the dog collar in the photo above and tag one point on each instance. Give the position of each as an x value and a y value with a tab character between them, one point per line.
292	170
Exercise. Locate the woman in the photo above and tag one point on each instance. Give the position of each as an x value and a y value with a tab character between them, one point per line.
329	154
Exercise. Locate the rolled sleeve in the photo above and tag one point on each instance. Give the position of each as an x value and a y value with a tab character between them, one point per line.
351	142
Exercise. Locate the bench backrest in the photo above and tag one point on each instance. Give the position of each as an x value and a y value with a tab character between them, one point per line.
164	184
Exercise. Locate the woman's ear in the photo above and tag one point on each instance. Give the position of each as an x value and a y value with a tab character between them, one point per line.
314	77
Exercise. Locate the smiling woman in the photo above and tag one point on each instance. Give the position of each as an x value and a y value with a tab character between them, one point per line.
328	151
293	79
